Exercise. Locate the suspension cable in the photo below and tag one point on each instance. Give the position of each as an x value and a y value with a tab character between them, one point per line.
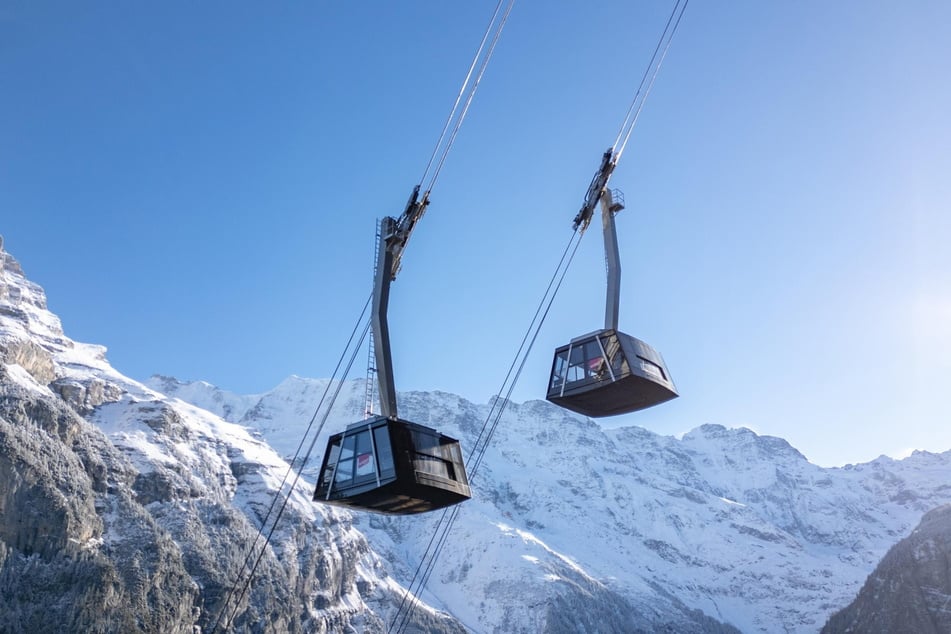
665	40
474	460
471	92
290	468
541	313
462	89
498	408
287	499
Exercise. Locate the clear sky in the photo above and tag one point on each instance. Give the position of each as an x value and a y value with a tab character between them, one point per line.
196	187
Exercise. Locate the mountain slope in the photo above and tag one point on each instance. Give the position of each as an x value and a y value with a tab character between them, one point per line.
724	523
910	590
123	510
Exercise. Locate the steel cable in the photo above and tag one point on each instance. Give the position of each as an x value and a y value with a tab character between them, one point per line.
638	102
462	90
472	91
290	468
474	461
309	450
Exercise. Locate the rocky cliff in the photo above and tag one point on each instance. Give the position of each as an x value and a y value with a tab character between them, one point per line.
122	510
910	590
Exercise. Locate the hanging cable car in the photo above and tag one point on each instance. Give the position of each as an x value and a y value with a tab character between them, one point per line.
387	464
392	466
607	372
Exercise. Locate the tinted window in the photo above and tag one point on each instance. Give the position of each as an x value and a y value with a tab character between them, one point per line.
384	451
426	442
365	464
559	371
652	368
432	465
332	457
586	363
345	465
612	347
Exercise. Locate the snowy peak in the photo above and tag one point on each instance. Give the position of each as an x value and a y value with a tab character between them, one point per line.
38	354
14	286
746	448
224	404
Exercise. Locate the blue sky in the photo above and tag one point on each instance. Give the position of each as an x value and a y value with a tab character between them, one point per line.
196	186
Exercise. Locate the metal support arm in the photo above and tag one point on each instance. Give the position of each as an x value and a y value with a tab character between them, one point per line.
394	234
612	259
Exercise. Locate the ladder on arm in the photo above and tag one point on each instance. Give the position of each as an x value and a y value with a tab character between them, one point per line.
370	396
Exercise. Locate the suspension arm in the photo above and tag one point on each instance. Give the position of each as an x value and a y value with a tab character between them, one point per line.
394	234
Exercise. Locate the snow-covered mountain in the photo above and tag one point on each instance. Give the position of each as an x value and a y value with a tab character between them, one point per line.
131	507
124	510
723	522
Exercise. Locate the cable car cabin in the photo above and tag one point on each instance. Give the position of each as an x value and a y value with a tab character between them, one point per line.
606	373
392	466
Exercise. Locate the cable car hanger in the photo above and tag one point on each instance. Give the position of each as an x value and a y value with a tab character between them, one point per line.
384	463
408	435
607	372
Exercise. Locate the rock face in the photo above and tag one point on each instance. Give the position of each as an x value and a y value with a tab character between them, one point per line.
122	510
66	499
910	590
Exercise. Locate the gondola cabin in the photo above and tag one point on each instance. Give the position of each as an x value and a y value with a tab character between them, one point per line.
392	466
606	373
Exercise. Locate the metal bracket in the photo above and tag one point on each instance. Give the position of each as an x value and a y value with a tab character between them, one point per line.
595	190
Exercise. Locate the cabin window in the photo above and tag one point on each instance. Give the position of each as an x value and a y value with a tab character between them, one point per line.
431	457
558	373
384	451
612	348
581	363
364	461
344	473
332	457
355	462
432	465
456	469
652	368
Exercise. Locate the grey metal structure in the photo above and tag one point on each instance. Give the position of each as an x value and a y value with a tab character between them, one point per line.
394	234
611	204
